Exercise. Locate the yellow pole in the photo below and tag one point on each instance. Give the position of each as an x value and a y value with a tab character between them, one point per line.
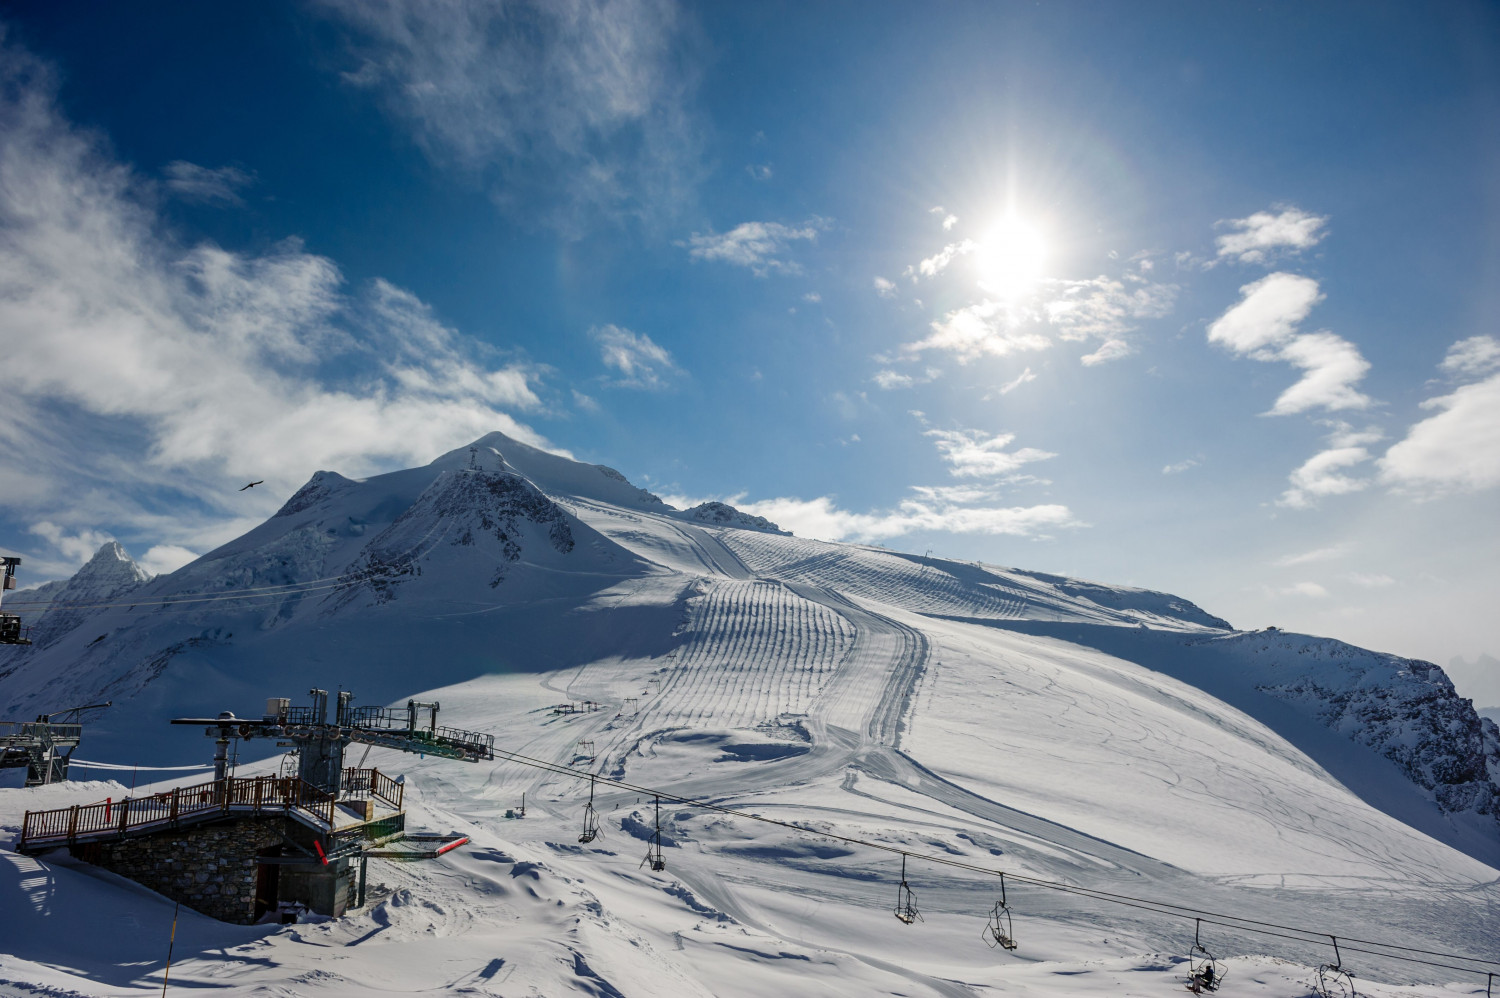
170	943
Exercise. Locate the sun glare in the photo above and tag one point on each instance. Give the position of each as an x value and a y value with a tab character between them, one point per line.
1011	257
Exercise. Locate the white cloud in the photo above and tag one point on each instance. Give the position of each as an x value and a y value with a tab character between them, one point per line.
192	182
1108	350
1262	235
889	380
1179	467
133	366
76	548
757	245
1105	309
1322	475
884	288
1101	308
585	402
985	328
822	519
1455	450
1266	316
1372	581
812	296
973	453
759	171
1473	357
164	559
1310	590
642	363
1017	381
586	101
949	220
1263	326
1315	555
938	262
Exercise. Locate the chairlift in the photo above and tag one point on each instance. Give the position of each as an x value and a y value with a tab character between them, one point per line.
653	853
1204	972
1000	931
591	827
906	901
10	624
1332	980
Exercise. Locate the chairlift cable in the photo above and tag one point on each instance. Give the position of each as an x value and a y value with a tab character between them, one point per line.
1235	922
347	580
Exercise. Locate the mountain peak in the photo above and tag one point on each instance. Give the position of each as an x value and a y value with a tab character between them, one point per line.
112	564
555	474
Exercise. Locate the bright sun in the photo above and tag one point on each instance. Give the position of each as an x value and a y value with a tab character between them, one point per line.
1010	257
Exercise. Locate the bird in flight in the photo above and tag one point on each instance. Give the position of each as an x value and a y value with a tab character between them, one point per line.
253	484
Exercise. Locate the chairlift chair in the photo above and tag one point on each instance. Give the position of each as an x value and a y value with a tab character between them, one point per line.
654	857
906	900
1000	931
591	827
1204	972
1332	980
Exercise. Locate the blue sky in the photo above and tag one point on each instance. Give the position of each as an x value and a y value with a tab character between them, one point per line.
1189	296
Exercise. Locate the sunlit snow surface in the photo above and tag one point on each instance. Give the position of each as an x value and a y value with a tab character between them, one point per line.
1015	721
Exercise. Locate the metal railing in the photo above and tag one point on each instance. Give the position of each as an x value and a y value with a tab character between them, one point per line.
259	793
18	732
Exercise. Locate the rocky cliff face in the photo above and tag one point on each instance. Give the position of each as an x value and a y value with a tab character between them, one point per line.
1406	710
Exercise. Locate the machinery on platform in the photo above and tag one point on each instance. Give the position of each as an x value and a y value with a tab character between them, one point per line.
45	745
10	624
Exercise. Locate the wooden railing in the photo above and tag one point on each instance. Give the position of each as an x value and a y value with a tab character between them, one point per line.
373	783
259	793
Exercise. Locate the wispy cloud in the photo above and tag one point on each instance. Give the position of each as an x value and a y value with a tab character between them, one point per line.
1306	590
757	245
1325	473
1259	237
890	380
759	171
642	363
823	519
975	453
1101	309
884	288
1310	557
1474	357
188	370
77	547
1263	326
1376	580
1179	467
939	261
1017	381
949	219
192	182
583	105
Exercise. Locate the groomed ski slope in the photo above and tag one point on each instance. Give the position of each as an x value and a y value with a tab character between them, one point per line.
855	692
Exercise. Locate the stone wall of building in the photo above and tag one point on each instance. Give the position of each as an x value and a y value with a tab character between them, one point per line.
210	868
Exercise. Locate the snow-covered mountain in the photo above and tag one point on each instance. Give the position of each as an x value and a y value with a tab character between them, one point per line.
1119	738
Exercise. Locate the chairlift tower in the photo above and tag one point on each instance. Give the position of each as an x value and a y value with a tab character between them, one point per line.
321	742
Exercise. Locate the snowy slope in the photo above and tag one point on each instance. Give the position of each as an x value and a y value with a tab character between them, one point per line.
1113	738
